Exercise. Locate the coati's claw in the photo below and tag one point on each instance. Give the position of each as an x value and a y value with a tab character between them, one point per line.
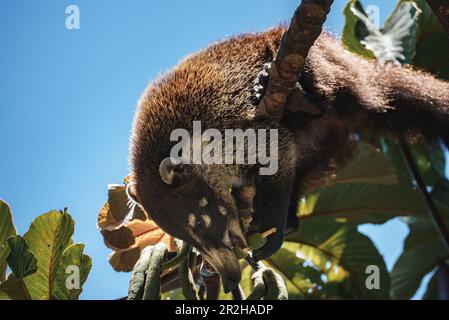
273	244
292	218
272	204
260	84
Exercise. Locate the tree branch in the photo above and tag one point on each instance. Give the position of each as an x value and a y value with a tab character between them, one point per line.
431	206
305	27
441	10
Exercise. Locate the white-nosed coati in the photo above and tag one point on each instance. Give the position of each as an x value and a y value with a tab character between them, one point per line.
214	86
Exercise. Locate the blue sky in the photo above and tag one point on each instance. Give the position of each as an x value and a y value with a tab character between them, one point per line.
67	100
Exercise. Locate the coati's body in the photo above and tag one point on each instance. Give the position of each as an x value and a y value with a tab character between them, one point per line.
215	85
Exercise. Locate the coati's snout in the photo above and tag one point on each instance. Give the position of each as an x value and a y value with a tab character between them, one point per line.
186	207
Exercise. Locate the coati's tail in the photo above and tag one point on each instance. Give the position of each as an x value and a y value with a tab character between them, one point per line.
368	96
416	102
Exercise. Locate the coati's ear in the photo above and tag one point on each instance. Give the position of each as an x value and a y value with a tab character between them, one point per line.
171	173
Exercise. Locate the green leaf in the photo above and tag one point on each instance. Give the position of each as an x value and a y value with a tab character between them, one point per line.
440	195
20	259
355	30
7	229
302	281
422	249
398	40
394	43
14	289
369	165
432	288
430	159
365	191
432	43
363	203
173	295
412	266
342	254
48	237
72	273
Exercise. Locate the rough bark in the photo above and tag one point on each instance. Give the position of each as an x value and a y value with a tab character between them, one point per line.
305	27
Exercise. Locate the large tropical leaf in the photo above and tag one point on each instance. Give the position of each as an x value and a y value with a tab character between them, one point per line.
363	203
342	254
302	280
365	191
355	30
369	165
20	259
48	237
422	250
438	286
408	37
432	43
127	229
6	230
124	261
73	260
429	158
395	42
14	289
432	288
22	264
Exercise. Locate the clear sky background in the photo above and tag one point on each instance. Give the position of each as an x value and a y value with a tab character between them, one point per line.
67	100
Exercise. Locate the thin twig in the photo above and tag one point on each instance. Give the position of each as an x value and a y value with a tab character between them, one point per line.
285	70
432	208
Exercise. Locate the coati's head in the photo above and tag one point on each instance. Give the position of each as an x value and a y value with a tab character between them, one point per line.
183	203
194	202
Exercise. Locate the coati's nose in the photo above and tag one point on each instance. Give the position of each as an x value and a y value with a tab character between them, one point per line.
230	284
224	261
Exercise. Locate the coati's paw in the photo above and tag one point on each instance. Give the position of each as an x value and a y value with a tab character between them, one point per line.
275	240
273	244
260	84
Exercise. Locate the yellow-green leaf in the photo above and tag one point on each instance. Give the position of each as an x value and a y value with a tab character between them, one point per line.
343	255
355	30
72	273
48	237
6	230
14	289
362	203
369	165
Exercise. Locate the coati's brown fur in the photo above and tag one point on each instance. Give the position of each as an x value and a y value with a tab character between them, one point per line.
214	86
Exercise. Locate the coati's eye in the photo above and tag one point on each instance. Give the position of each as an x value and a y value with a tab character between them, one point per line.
171	173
